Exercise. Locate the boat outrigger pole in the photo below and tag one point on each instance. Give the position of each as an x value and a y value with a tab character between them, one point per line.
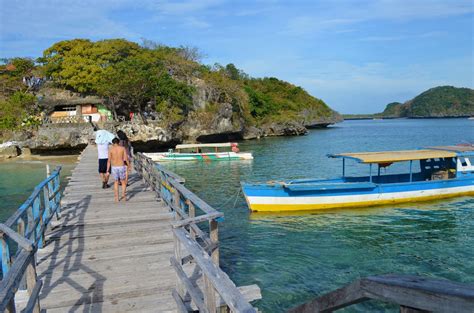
370	172
343	167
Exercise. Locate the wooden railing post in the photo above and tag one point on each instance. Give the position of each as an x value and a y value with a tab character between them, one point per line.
11	306
30	223
31	281
47	208
5	250
214	236
57	197
191	214
209	293
37	214
22	232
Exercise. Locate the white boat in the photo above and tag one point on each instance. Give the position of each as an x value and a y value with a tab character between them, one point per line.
195	152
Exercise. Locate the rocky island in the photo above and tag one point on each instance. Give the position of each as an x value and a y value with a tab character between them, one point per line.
158	95
437	102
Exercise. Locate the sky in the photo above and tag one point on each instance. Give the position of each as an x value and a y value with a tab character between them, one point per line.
356	55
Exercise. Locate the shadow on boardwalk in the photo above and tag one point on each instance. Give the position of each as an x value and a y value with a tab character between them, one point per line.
63	239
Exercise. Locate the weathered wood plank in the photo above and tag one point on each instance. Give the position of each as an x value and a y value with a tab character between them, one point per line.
21	241
421	293
334	300
197	219
413	293
10	283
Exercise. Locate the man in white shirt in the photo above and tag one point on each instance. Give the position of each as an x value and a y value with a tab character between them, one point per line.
103	151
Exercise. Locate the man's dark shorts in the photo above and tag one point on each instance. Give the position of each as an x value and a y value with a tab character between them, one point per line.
103	166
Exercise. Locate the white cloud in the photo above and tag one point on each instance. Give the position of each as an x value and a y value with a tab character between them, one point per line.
332	18
182	7
196	23
56	19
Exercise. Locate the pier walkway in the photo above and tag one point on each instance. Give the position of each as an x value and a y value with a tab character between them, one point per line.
105	256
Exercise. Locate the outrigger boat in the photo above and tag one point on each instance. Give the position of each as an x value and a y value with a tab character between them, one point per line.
445	171
194	152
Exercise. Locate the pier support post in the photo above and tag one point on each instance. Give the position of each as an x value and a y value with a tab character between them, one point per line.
177	245
31	281
209	292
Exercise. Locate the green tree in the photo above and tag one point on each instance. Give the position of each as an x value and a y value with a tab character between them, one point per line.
15	109
77	64
272	98
11	75
139	80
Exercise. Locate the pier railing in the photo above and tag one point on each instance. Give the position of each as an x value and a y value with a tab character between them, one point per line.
202	285
412	293
20	237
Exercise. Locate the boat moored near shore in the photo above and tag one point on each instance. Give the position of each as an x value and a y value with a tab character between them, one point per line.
195	152
445	171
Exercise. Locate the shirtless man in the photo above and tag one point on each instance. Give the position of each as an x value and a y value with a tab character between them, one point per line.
118	157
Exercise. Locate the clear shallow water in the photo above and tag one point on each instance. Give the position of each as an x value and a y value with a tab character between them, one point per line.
19	177
294	257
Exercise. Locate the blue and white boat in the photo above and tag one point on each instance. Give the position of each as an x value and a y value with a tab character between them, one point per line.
444	171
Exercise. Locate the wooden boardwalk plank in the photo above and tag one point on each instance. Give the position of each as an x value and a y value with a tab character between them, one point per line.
107	257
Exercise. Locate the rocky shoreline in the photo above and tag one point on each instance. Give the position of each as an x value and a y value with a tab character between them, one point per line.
71	138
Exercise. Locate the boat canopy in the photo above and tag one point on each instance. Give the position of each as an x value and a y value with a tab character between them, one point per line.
206	145
461	150
387	157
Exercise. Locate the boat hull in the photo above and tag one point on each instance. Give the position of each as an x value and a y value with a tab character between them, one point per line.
219	156
278	197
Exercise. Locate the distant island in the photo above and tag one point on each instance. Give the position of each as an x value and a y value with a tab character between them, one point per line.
438	102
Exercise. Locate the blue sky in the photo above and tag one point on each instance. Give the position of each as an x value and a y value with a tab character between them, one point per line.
355	55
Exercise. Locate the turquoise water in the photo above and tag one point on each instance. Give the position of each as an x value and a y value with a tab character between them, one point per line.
19	177
294	258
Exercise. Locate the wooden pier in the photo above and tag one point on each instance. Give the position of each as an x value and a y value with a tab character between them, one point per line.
106	256
93	255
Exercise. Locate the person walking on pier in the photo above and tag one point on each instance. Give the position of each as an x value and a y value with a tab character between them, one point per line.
103	138
103	151
118	165
124	142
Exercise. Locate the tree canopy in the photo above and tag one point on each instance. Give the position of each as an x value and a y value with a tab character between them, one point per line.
155	80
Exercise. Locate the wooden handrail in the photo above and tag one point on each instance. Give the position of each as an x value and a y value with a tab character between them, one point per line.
420	294
198	246
26	229
198	219
221	282
21	241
